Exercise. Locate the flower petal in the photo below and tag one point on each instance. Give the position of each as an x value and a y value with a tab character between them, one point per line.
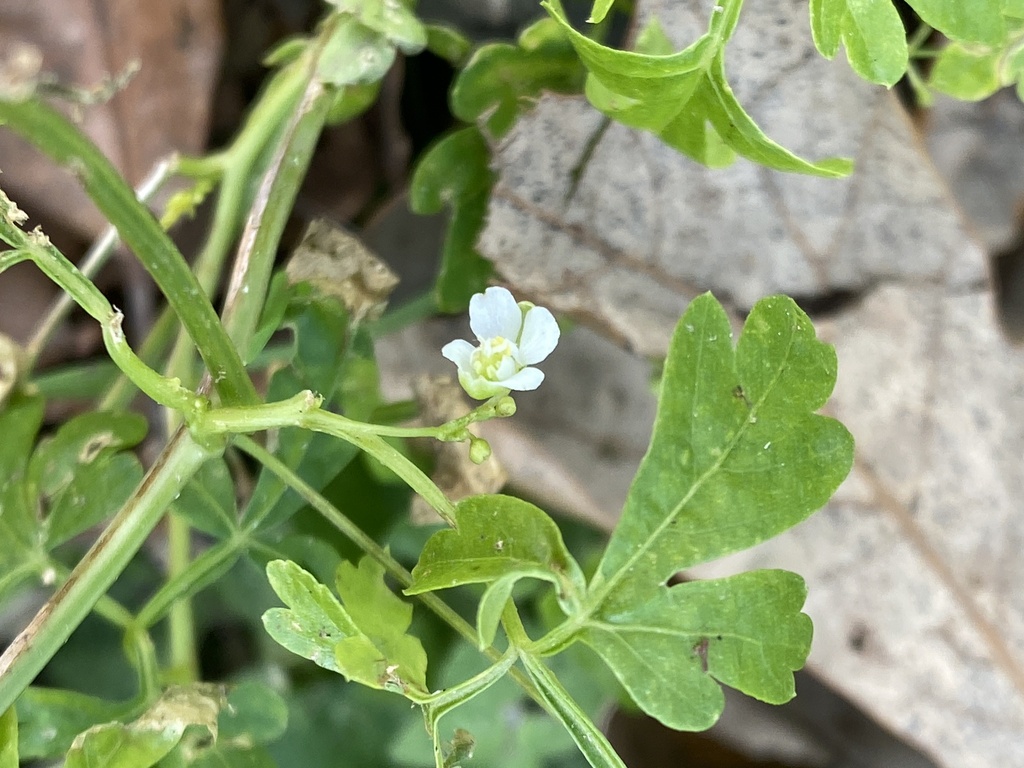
495	313
526	379
539	337
459	352
480	388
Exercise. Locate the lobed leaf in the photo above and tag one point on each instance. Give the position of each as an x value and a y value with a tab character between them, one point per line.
737	455
684	97
501	79
968	73
365	640
745	631
499	540
979	21
314	622
872	31
383	618
876	42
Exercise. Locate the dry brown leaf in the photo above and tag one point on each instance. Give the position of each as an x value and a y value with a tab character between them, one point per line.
914	569
164	108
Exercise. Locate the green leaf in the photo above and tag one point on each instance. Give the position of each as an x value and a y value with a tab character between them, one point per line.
738	453
365	640
96	492
398	659
9	739
499	540
600	10
676	95
394	19
968	73
225	756
745	631
456	172
255	714
208	501
500	80
448	43
314	621
1013	8
50	718
977	21
81	441
354	54
79	476
741	133
876	42
19	423
826	25
147	740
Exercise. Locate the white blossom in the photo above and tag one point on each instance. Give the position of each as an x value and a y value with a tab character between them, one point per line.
512	338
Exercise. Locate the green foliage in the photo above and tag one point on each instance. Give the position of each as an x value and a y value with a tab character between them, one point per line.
500	80
145	741
366	33
72	480
365	640
735	438
50	718
871	30
683	96
495	86
974	71
9	739
455	172
254	714
746	631
499	540
977	21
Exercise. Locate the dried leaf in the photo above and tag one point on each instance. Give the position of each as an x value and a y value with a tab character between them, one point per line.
338	264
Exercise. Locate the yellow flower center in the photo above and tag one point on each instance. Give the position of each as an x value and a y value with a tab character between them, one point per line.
488	357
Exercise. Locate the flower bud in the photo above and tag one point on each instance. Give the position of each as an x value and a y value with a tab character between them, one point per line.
479	450
505	407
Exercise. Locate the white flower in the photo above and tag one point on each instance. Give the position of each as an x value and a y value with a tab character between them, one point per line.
513	336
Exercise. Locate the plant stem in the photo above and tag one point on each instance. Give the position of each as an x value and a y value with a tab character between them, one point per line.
273	205
303	410
94	260
65	143
99	568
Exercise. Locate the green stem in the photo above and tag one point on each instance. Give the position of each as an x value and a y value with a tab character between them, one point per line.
99	568
274	201
591	742
184	656
65	143
91	264
303	410
56	266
